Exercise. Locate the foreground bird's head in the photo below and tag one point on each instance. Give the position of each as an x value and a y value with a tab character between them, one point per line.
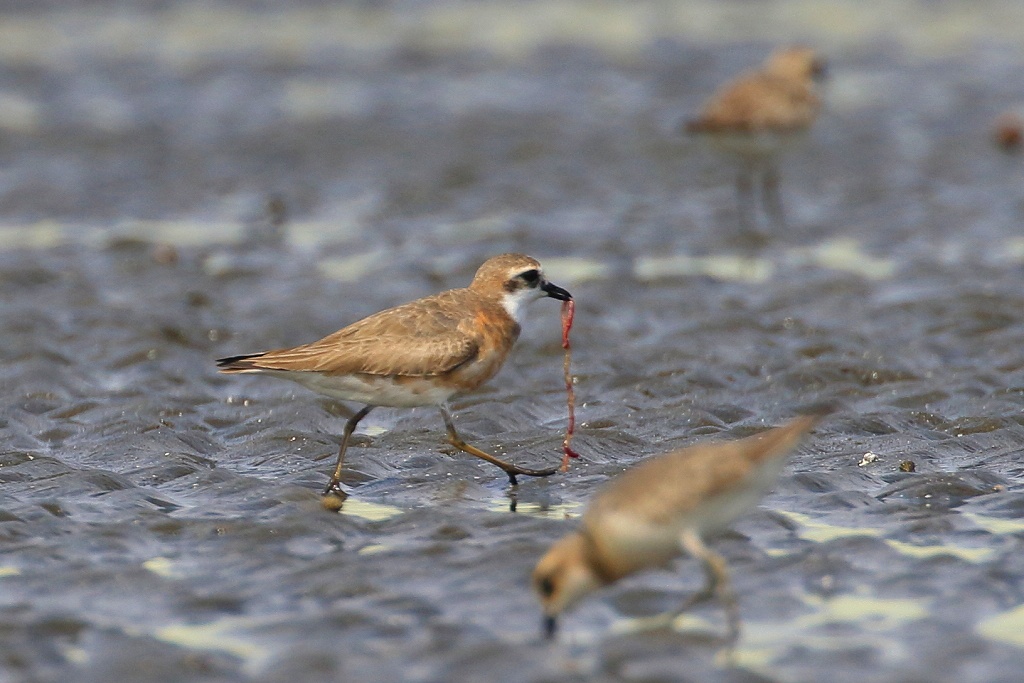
562	577
516	279
795	63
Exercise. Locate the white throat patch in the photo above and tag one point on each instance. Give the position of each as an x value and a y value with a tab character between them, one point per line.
513	302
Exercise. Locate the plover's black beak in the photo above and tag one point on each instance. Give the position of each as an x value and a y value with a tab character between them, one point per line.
550	626
555	292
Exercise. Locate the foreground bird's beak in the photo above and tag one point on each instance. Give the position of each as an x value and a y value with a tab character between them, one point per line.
555	292
550	626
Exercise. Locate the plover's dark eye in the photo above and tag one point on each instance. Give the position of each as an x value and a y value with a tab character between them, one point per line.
546	587
531	277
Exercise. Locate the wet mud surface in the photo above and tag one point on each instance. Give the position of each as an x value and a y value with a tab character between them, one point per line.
161	522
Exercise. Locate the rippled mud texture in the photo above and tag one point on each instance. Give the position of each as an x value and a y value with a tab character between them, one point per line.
161	523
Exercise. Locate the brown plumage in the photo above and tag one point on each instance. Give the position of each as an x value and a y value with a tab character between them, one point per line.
661	508
779	96
757	115
428	337
419	353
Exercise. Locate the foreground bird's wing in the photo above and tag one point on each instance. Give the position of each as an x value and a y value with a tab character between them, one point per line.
424	337
666	487
758	101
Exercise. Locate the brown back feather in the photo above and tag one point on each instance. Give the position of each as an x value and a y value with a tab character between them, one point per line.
429	336
675	483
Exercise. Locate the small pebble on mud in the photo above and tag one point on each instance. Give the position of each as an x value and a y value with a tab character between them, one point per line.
164	254
1008	131
868	458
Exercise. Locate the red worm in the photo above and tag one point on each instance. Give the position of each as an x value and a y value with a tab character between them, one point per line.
568	311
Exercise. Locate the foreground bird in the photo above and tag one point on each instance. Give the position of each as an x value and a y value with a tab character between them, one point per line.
661	508
756	116
418	354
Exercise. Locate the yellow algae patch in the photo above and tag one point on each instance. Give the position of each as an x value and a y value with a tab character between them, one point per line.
847	255
351	268
677	622
722	267
820	532
925	551
19	114
996	525
190	34
373	549
559	511
375	512
217	635
762	642
509	31
691	622
41	235
315	100
755	658
348	222
312	234
946	32
1005	627
75	654
182	233
574	269
9	571
1011	251
162	566
482	227
866	611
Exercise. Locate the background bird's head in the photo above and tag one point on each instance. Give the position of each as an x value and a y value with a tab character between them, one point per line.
796	63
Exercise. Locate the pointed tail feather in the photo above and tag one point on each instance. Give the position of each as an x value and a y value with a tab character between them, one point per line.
241	363
780	440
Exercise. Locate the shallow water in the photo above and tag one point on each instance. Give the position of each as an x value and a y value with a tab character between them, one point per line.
160	522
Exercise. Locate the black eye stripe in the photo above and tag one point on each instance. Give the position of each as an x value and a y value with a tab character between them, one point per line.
530	277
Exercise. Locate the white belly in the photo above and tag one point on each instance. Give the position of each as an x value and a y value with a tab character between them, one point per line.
646	543
754	147
373	389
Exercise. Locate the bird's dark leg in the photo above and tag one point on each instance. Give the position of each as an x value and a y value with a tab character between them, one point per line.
717	582
334	486
745	199
772	197
509	469
549	627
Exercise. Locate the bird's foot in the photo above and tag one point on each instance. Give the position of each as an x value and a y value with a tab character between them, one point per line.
512	471
508	468
333	497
